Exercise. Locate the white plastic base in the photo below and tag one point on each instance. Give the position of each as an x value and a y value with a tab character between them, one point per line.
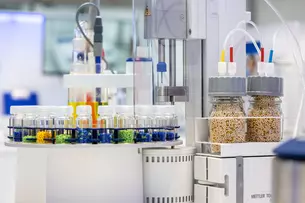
241	173
90	175
248	149
168	175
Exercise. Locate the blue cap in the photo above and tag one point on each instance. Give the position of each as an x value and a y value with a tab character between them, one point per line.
250	48
161	67
293	150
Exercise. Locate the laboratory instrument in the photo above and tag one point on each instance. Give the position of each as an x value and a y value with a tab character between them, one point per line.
207	169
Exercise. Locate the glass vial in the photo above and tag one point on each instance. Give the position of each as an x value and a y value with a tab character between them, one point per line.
29	124
169	122
84	124
44	124
106	122
16	122
125	121
63	124
144	123
159	123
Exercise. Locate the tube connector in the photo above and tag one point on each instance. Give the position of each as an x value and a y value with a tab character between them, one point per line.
232	68
222	68
261	68
270	69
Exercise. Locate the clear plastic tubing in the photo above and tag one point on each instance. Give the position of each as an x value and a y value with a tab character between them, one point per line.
255	27
106	121
84	124
300	67
232	32
63	122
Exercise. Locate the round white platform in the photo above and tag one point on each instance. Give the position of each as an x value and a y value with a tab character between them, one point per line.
73	146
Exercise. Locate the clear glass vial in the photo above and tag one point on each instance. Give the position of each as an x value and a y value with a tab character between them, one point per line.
125	120
84	124
170	120
29	124
16	122
105	121
44	124
63	123
159	122
144	120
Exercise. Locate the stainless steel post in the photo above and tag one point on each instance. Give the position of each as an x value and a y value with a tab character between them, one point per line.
161	54
161	50
172	66
185	69
172	62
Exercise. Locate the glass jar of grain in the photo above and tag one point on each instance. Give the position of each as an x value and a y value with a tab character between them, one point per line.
265	108
227	123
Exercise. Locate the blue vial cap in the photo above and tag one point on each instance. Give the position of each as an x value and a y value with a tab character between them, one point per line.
250	48
161	67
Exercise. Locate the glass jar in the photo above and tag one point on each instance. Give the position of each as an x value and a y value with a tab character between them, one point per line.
105	121
144	121
44	124
29	124
125	121
267	124
63	122
226	123
16	122
84	124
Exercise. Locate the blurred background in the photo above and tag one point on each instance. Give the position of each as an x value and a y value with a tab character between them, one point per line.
35	41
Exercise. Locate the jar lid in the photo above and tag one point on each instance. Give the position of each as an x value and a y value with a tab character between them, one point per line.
83	109
227	86
105	110
265	86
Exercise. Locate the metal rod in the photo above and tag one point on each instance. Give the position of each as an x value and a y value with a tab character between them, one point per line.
161	54
184	64
161	50
172	62
172	66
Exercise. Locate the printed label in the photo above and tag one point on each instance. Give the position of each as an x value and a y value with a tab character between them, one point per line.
261	196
